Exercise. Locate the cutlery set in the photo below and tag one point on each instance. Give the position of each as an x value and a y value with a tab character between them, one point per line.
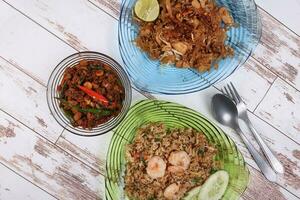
227	108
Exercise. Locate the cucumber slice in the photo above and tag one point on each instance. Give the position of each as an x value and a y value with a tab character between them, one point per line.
192	194
215	186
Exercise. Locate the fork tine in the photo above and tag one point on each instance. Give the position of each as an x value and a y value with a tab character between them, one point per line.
232	94
236	92
222	91
227	93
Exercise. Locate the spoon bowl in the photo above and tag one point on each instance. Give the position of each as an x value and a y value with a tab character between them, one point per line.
224	110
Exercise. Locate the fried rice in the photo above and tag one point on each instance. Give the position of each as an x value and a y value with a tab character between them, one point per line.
155	140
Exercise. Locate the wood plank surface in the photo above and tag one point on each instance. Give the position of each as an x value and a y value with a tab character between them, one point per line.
30	48
77	22
73	169
25	99
279	50
281	108
15	187
260	80
260	189
46	165
287	12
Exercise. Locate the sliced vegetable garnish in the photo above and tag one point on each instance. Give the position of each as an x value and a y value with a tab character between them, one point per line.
192	194
147	10
215	186
94	95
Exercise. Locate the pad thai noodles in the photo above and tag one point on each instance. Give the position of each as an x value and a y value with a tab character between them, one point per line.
187	33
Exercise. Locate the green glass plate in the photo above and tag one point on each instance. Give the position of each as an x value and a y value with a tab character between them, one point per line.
172	115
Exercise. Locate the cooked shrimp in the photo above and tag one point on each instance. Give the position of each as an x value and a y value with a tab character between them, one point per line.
180	159
171	192
156	167
226	17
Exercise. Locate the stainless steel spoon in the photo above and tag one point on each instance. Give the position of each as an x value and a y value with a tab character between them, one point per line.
225	112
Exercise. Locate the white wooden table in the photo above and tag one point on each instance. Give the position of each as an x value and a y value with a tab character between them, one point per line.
40	160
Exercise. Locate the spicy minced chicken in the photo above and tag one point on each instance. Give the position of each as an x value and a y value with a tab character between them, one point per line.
187	33
90	93
165	163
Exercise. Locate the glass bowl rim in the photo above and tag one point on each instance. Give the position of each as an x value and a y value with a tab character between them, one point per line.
54	76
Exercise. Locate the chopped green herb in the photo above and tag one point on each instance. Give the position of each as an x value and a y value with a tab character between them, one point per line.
96	111
168	131
95	66
151	198
157	139
61	93
119	82
69	115
81	80
143	160
201	152
213	170
196	180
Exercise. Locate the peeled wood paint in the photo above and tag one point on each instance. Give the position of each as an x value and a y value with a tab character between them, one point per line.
95	161
290	177
110	4
289	97
260	188
296	154
8	131
41	149
266	74
41	122
29	91
279	48
71	39
74	186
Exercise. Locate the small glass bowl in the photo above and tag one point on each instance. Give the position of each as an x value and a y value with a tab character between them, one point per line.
56	77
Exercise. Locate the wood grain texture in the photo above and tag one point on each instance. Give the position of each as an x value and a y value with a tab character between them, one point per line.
260	79
25	99
46	165
12	186
287	12
28	46
281	108
284	149
259	188
70	20
279	50
79	23
113	5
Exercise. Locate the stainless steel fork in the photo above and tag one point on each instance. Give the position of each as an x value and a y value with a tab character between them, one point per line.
242	113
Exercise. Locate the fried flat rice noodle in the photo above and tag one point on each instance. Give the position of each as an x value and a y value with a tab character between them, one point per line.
155	140
187	33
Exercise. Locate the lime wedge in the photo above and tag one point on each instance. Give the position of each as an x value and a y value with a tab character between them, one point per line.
147	10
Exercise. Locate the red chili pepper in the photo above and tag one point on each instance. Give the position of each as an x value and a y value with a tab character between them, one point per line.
94	95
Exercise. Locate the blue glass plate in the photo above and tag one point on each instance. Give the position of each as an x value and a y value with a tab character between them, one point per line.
151	76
